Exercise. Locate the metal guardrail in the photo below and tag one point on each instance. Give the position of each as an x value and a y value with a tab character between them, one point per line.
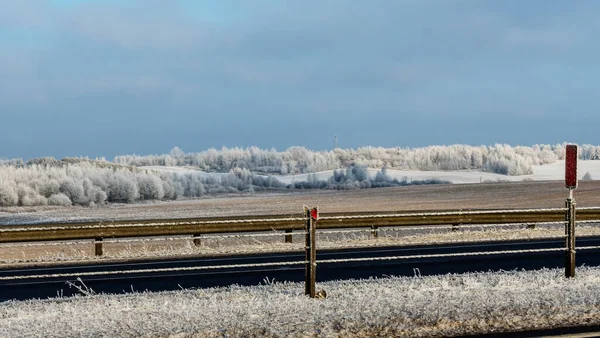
220	225
308	223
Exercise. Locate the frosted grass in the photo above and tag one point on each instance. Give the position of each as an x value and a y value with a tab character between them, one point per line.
416	306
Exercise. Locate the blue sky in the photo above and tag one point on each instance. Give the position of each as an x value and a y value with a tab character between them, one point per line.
104	78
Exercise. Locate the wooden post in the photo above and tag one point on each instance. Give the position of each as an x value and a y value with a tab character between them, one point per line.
288	238
197	240
570	238
98	246
374	232
311	256
455	227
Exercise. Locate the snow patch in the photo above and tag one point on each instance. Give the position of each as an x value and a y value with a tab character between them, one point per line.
548	172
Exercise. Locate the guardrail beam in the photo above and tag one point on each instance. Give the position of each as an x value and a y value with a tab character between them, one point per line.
201	226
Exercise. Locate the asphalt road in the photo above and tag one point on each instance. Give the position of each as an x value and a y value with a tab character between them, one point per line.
109	279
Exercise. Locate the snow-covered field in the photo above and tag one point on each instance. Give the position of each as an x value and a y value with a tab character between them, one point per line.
182	170
416	306
548	172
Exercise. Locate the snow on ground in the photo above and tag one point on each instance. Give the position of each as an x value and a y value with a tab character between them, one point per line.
548	172
449	305
170	169
321	176
183	170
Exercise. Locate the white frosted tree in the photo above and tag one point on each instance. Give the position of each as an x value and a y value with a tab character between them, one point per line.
122	189
59	199
8	195
150	188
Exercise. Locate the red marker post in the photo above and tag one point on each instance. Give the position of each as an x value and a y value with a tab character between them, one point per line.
571	183
571	167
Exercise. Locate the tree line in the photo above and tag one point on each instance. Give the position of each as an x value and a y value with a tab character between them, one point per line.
72	181
82	181
499	158
87	182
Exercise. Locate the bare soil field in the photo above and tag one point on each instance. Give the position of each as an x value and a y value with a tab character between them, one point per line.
430	197
425	197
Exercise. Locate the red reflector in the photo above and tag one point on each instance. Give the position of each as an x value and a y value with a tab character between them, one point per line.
314	213
571	167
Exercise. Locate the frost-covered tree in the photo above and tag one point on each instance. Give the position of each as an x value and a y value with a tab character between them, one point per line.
92	182
59	199
122	189
150	188
8	195
498	158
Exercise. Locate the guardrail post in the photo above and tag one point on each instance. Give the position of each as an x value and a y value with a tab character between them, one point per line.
570	235
374	231
288	238
197	240
311	254
455	226
98	247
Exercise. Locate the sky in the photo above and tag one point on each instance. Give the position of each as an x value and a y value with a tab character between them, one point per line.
104	78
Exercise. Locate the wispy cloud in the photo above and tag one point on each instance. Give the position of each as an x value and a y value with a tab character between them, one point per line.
348	59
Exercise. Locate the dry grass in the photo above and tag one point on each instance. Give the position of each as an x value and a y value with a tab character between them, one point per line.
431	306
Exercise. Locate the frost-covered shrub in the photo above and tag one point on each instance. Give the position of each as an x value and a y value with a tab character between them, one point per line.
122	189
59	199
28	196
34	199
150	188
74	190
49	188
96	195
8	195
192	185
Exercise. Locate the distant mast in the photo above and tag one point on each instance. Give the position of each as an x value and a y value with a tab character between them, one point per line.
335	142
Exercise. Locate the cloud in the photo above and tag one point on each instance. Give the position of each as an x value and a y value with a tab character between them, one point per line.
349	60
